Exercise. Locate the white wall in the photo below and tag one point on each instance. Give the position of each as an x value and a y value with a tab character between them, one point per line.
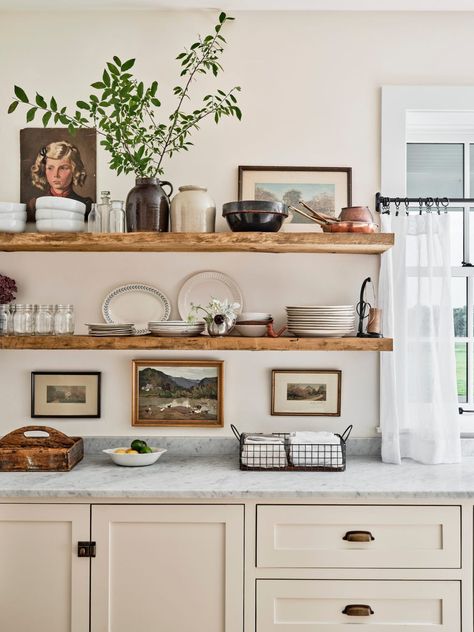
310	96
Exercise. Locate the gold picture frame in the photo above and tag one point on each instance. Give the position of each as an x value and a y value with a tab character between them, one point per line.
186	393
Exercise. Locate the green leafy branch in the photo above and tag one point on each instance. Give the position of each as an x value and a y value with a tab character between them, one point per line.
125	112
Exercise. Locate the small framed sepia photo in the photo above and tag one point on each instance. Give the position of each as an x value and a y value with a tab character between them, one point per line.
178	393
65	394
306	392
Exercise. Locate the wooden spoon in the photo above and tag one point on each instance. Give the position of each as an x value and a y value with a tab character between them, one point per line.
313	219
321	216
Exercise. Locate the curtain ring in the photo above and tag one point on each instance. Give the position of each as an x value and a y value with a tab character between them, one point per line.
429	203
445	204
420	204
386	206
407	206
437	206
397	205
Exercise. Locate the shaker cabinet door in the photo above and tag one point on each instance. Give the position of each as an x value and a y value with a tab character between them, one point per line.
176	568
44	586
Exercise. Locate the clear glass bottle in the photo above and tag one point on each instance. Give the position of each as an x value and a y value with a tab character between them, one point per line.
64	320
105	207
44	320
5	320
24	320
94	224
117	217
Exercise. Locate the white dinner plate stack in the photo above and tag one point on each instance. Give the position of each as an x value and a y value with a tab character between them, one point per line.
176	328
12	217
99	330
59	215
312	321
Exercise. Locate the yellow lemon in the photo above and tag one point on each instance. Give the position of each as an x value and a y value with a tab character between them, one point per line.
131	452
120	451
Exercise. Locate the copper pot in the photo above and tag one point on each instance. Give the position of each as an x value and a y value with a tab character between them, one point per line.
351	227
356	214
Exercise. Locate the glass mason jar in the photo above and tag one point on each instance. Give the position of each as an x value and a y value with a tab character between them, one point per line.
24	320
64	320
5	320
44	320
117	222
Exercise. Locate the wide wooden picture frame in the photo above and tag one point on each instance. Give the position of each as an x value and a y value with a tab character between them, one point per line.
65	394
325	189
187	393
298	392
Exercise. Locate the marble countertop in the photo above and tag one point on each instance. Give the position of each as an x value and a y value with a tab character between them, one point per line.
217	477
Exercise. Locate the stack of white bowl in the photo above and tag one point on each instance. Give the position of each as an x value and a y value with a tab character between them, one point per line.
176	328
253	324
12	217
59	215
312	321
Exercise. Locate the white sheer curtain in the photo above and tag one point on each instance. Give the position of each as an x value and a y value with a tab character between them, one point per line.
419	417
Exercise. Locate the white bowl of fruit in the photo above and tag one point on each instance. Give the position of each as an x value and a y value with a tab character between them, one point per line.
137	455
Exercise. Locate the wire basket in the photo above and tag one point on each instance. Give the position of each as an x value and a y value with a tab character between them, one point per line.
275	452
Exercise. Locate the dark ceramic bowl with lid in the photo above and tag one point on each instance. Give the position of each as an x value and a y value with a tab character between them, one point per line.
255	215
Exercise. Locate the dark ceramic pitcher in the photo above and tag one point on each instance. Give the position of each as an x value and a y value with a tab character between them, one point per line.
148	206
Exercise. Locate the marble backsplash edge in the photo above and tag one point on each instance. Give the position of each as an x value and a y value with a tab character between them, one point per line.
212	446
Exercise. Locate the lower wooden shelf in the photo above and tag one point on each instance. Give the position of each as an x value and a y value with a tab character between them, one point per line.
199	343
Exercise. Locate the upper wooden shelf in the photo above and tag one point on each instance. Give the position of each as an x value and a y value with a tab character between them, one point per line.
199	343
349	243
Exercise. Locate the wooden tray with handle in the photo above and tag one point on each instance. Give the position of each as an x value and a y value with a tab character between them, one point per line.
55	452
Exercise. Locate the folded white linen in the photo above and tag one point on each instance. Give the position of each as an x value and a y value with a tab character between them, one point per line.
261	438
315	449
264	455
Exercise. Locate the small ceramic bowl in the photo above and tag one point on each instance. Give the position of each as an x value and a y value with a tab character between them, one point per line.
55	213
59	226
134	460
17	215
251	331
12	207
8	225
62	203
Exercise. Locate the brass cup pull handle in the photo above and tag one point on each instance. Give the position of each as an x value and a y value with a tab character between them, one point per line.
358	536
358	610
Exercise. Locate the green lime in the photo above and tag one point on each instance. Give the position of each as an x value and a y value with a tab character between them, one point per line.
146	450
138	445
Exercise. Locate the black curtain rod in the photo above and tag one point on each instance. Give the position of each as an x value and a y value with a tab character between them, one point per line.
383	202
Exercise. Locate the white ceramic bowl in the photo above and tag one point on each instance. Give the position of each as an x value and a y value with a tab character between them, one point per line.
59	226
8	225
62	203
55	213
253	316
9	207
252	331
134	460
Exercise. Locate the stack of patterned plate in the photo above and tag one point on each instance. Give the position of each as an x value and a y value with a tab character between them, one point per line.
176	328
311	321
113	329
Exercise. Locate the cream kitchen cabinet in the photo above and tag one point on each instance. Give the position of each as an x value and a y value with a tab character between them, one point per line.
174	568
44	586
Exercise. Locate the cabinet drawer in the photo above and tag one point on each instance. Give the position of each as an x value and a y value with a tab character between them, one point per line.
298	605
354	536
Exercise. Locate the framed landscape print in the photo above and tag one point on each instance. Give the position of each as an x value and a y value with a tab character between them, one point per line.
324	189
65	394
306	392
178	393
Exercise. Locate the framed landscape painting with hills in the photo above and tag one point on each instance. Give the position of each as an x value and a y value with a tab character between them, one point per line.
178	393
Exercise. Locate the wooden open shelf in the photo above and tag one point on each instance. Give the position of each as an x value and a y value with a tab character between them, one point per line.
199	343
348	243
